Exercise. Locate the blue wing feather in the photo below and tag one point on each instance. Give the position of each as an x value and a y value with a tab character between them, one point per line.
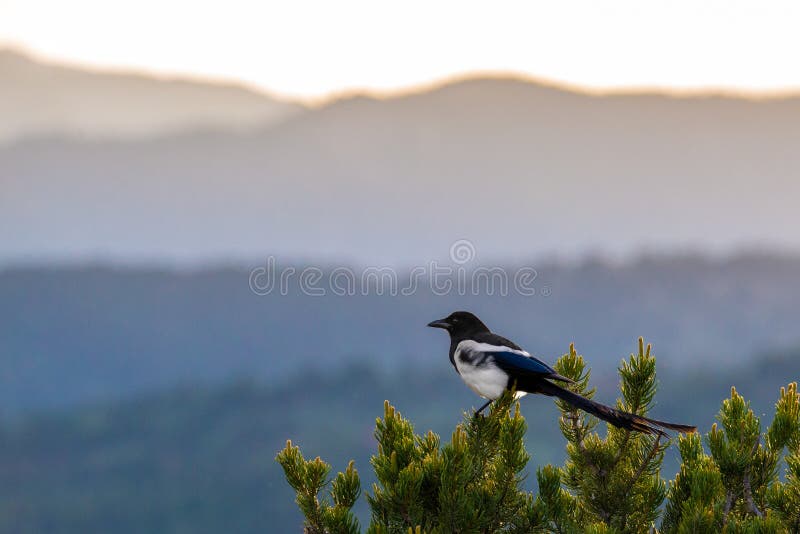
513	363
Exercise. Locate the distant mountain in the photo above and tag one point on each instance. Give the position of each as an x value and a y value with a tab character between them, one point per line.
518	168
48	99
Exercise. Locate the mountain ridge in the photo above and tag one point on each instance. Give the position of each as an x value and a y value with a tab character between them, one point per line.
42	98
373	179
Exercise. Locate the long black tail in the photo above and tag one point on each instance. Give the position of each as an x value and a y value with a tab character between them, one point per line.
618	418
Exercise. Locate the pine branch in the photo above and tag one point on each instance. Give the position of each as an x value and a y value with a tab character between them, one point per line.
645	463
748	496
728	504
579	434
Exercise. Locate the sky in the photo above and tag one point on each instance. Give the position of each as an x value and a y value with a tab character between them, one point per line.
317	49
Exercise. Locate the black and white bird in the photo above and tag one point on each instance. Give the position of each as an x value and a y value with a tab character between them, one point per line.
490	364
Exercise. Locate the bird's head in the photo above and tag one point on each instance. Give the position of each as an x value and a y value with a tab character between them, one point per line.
460	324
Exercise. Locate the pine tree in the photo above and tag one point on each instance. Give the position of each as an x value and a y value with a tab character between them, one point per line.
308	477
608	484
737	488
614	481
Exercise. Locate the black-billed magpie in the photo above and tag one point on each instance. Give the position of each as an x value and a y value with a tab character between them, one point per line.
490	364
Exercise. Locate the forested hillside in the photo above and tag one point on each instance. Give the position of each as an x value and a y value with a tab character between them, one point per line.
72	335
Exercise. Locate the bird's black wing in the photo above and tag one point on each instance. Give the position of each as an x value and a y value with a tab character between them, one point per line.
516	361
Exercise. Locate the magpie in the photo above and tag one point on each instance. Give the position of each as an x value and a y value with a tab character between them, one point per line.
490	364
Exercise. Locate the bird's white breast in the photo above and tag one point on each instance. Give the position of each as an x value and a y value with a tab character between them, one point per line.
484	378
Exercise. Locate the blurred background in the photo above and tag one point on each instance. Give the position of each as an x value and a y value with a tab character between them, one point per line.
226	225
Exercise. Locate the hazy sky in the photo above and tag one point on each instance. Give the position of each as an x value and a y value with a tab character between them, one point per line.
314	48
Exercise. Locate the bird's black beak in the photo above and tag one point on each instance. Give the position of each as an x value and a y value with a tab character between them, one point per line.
439	323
